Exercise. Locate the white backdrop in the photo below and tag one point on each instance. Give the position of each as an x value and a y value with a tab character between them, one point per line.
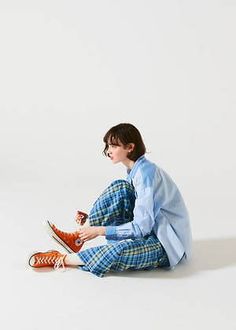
69	70
72	69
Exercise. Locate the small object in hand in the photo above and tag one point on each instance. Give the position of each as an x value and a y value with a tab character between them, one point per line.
81	217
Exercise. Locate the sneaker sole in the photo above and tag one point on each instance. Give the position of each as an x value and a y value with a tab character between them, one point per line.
57	238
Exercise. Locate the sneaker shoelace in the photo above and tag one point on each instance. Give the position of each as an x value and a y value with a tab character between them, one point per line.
56	261
60	263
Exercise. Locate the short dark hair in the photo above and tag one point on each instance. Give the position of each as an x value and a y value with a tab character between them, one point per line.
125	133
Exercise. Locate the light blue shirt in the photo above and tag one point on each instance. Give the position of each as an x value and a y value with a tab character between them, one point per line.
159	209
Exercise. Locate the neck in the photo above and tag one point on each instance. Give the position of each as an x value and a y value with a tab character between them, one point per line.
128	163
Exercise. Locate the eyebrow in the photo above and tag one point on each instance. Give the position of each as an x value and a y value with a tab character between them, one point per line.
112	144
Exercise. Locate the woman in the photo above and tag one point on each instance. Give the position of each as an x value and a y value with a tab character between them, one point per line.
144	218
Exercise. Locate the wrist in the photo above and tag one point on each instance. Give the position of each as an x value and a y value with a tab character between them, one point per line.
101	231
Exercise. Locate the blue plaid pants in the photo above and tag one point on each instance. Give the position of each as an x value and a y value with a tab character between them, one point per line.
114	207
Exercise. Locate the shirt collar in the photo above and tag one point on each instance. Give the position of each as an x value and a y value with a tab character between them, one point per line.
133	170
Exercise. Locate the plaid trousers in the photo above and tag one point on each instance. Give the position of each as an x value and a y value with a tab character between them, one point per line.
115	207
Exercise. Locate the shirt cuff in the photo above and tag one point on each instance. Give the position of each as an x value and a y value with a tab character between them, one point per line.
110	232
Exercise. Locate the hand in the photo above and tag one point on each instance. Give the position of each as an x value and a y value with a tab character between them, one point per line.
86	234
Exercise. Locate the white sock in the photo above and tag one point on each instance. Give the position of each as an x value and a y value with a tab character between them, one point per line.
73	259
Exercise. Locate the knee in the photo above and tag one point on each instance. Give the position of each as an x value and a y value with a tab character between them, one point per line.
118	181
122	183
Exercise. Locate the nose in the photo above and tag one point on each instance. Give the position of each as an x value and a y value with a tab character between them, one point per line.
109	152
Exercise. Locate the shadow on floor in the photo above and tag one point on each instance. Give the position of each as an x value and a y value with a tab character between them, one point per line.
208	255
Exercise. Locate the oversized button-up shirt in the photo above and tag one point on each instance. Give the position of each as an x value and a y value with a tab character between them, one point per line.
159	209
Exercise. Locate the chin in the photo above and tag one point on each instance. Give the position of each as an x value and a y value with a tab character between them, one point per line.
115	161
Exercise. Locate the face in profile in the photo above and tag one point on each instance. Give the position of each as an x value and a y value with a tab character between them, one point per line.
118	152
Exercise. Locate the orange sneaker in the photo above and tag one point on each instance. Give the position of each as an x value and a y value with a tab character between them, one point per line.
70	241
50	258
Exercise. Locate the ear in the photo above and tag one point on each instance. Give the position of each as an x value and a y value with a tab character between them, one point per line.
130	147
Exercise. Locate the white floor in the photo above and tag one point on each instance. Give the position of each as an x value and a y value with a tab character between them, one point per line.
200	295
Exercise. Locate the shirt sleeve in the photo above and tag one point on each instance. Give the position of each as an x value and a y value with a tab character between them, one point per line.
143	220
